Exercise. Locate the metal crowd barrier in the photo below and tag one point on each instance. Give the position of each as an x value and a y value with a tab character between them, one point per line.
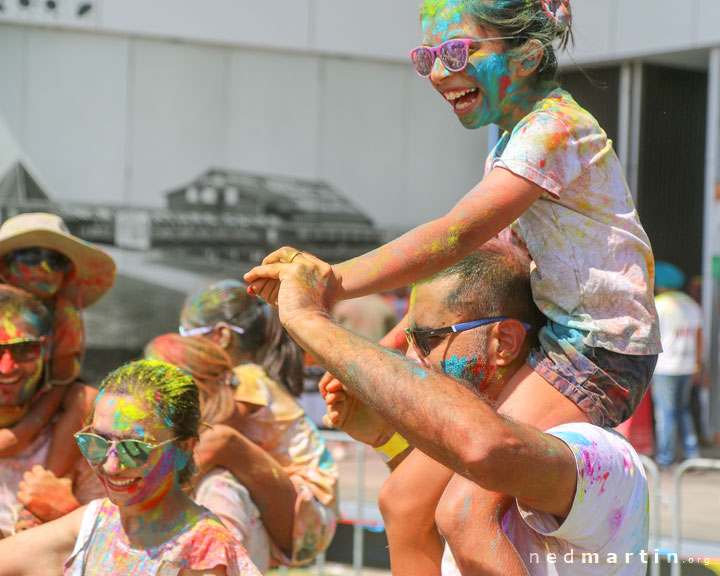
653	475
690	464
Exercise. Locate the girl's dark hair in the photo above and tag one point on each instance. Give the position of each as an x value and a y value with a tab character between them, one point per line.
263	337
526	18
169	390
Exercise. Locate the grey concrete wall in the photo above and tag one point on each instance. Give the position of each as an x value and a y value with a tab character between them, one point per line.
120	120
147	93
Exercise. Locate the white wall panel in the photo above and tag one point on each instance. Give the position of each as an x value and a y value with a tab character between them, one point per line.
656	25
708	25
280	23
373	28
12	72
178	116
594	30
444	159
363	143
273	119
75	113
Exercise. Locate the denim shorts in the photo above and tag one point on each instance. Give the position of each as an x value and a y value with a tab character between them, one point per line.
607	386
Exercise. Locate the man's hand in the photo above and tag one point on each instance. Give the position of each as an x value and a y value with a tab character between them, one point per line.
347	413
45	495
307	285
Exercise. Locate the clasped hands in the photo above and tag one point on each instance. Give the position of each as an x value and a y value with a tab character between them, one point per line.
303	286
298	283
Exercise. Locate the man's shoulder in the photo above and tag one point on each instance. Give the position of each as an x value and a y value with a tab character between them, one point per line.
587	438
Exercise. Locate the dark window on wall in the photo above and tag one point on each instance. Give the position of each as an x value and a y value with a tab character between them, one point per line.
671	171
599	95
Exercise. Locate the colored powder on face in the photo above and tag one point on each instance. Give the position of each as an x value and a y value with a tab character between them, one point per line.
470	369
128	414
156	481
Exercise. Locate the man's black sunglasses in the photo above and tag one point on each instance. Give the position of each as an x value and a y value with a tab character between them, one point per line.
420	338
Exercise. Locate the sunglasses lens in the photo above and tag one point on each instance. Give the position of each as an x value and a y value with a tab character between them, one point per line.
454	55
422	59
35	256
58	262
421	342
418	341
92	447
133	453
28	256
22	351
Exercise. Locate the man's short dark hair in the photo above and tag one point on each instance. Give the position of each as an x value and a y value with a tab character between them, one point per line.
494	280
25	302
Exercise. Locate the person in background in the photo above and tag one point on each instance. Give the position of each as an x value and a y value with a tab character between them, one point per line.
39	255
268	372
679	367
25	329
144	427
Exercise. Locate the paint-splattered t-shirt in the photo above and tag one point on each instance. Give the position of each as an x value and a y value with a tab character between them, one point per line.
606	531
681	319
102	548
593	267
281	428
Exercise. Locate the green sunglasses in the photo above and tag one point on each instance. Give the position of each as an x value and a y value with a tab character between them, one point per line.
131	453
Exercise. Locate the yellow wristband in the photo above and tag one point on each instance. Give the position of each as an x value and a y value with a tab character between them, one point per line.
392	447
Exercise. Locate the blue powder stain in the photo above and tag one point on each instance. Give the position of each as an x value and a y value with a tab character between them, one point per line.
455	366
326	460
572	438
420	372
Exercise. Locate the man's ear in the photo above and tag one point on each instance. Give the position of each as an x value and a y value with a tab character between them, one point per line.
529	58
510	335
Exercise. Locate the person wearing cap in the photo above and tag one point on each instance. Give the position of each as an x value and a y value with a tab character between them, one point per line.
25	334
40	255
680	365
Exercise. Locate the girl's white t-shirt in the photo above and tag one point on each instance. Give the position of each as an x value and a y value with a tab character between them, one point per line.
593	267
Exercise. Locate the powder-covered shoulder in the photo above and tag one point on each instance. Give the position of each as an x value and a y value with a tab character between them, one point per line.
554	144
583	435
252	384
566	112
610	504
209	544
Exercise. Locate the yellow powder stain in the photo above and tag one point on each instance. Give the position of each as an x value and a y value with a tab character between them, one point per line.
128	414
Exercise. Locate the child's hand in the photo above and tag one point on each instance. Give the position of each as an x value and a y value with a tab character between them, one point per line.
45	495
346	412
264	281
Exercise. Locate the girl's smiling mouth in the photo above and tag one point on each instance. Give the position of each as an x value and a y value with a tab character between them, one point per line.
462	100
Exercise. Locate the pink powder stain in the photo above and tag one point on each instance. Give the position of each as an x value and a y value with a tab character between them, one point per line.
504	85
615	518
